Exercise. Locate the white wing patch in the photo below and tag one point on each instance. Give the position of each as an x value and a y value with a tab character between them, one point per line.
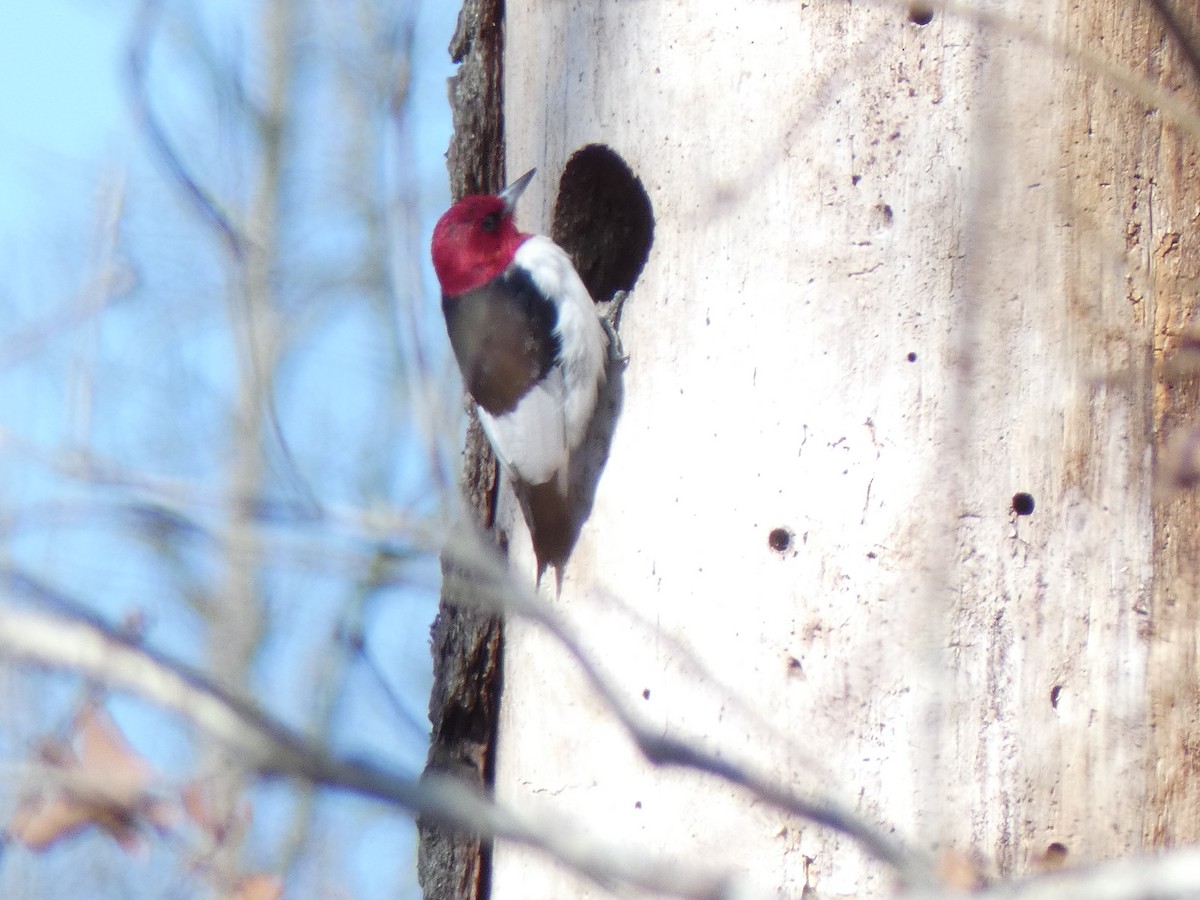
536	438
531	439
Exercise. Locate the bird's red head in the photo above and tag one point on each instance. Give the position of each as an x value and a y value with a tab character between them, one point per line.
476	238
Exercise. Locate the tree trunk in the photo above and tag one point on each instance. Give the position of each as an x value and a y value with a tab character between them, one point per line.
465	640
879	519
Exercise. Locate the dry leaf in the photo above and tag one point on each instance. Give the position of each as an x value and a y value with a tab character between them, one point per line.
258	887
105	784
958	872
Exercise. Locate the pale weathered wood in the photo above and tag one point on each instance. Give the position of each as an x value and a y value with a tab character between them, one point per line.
900	273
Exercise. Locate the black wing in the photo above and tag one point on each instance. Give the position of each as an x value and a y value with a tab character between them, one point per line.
503	337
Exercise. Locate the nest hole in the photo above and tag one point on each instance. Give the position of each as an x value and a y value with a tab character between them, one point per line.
603	218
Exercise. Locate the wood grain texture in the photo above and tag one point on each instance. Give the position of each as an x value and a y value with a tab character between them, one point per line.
1164	210
900	273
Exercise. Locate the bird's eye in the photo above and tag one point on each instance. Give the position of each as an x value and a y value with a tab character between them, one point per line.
490	222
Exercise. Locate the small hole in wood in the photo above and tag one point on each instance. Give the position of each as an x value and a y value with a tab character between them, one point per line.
1022	503
780	539
920	13
1055	856
646	694
1055	693
912	356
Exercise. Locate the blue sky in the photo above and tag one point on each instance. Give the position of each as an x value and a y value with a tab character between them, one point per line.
62	113
143	382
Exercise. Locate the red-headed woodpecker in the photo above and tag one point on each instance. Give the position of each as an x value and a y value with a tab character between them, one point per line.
531	348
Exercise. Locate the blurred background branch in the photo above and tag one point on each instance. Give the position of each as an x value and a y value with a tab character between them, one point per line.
207	416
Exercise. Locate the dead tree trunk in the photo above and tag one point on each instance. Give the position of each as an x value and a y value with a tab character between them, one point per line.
881	519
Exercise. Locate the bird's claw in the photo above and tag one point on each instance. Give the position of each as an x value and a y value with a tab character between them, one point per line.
611	320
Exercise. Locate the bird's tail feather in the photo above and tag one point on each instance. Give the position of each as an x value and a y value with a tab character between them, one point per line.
552	524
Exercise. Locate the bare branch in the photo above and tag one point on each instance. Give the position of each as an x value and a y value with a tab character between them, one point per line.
201	199
1178	31
95	651
494	585
1175	108
90	648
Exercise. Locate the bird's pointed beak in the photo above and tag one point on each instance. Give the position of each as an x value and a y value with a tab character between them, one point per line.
511	194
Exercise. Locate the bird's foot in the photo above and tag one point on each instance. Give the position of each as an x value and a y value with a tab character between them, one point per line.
611	320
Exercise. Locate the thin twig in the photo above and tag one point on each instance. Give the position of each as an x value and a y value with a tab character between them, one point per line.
1175	27
139	51
1175	108
84	645
492	584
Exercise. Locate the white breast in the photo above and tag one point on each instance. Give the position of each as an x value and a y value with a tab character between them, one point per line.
536	438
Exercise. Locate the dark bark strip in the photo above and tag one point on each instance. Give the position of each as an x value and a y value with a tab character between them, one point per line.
465	642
